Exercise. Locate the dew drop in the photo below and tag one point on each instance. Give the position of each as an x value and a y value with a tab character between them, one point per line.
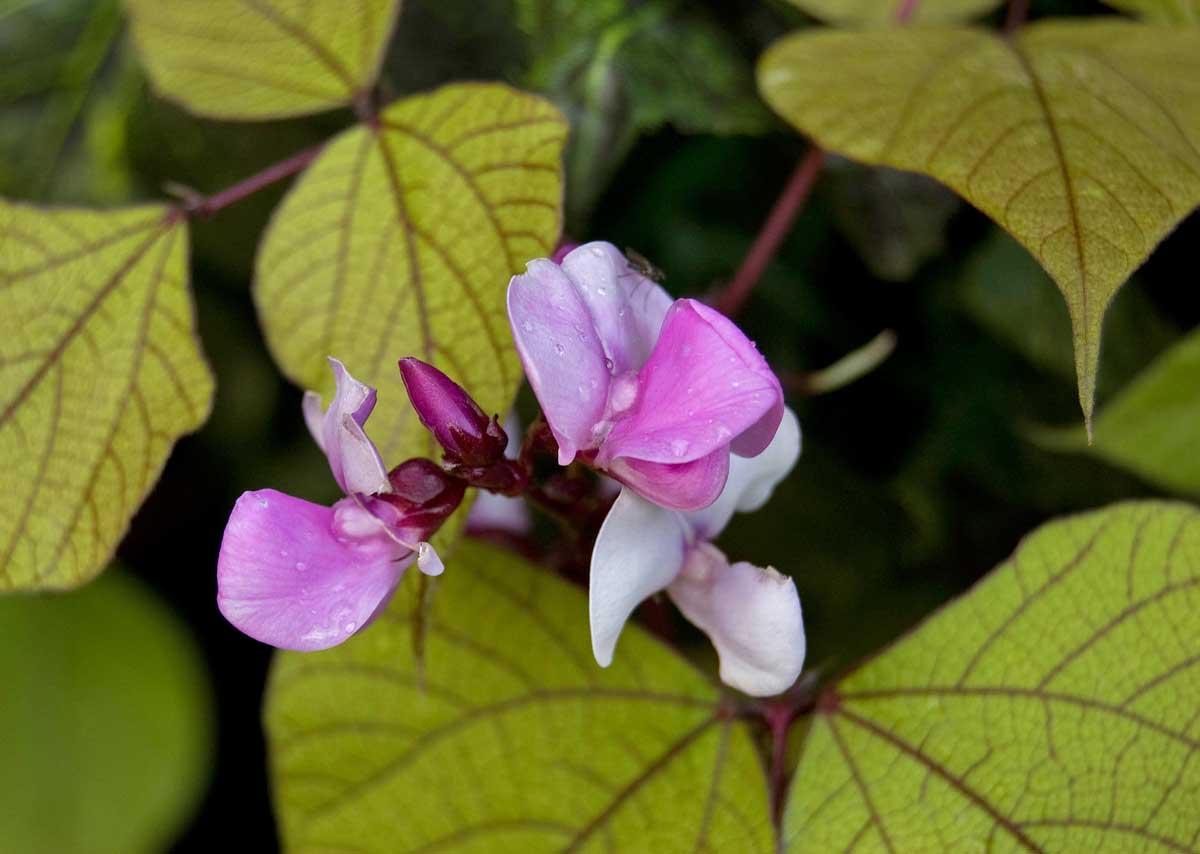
559	349
263	503
602	292
679	447
301	566
735	383
527	326
350	626
597	251
608	363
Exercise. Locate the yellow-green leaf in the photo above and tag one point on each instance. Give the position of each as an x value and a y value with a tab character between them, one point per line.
107	722
1151	427
100	373
400	241
1081	138
1052	708
261	59
1161	11
516	742
885	13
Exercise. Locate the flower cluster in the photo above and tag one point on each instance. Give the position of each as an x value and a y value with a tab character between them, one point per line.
668	399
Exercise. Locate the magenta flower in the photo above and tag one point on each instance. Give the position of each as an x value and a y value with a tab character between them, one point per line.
752	615
299	575
654	393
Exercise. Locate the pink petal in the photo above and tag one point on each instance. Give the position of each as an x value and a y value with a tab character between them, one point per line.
638	552
752	616
353	458
682	486
627	308
751	481
284	578
561	353
703	385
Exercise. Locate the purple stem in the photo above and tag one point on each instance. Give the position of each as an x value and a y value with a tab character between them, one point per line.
208	205
778	223
1018	11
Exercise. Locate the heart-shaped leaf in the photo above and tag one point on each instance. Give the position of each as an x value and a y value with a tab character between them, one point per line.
885	13
106	720
100	372
400	241
261	59
516	741
1055	707
1081	138
1150	428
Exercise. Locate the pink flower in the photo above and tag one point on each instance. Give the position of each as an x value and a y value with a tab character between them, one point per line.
299	575
752	615
654	393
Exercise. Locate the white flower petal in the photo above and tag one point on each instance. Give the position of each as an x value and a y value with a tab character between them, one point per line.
752	616
639	552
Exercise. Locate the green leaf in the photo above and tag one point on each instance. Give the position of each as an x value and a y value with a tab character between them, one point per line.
874	13
261	59
1150	427
400	241
1081	138
1052	708
620	69
100	373
1161	11
107	722
516	742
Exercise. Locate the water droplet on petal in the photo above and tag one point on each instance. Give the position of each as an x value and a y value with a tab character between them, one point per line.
597	251
301	566
263	503
608	363
350	627
559	349
735	383
679	447
601	292
527	326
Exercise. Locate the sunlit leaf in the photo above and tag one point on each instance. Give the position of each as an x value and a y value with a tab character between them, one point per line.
1161	11
400	241
260	59
883	13
1151	427
1080	138
1052	708
106	720
516	742
100	373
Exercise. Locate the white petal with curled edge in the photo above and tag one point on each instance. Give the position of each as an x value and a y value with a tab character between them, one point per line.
428	560
639	552
751	480
751	615
286	579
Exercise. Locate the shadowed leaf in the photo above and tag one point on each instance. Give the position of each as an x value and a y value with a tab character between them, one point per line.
1081	138
884	13
1055	707
1150	428
1161	11
107	724
518	742
400	241
261	59
100	373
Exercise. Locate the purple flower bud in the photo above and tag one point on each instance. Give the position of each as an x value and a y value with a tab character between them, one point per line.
422	498
463	430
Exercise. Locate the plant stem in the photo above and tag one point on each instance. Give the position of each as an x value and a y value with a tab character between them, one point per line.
774	230
906	10
1018	10
208	205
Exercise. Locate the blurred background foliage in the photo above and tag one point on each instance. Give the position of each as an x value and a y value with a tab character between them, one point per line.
913	481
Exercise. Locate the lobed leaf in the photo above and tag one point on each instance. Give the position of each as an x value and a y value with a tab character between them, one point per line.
1081	138
400	240
1150	427
261	59
100	373
516	741
1055	707
874	13
107	721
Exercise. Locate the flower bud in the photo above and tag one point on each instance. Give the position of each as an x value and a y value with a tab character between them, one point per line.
463	430
422	498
